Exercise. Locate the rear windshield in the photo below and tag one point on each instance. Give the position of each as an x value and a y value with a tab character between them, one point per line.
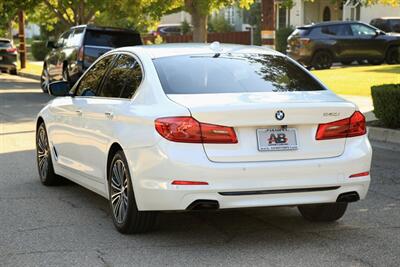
112	38
6	44
227	73
301	31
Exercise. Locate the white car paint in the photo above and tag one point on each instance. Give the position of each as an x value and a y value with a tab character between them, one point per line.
82	129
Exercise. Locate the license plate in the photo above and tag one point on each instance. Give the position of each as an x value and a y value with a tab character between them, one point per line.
277	139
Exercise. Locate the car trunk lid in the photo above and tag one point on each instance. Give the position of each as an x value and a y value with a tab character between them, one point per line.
253	116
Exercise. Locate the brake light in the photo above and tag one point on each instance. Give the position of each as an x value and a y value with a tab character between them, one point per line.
359	174
80	54
304	41
189	130
349	127
177	182
11	49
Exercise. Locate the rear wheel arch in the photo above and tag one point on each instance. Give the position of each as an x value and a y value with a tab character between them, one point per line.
325	50
39	121
114	148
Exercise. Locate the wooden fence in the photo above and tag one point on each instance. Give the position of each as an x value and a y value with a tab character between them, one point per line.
222	37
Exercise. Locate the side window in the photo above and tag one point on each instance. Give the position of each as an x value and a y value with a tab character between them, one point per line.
75	38
336	30
62	40
329	30
362	30
89	83
119	78
133	81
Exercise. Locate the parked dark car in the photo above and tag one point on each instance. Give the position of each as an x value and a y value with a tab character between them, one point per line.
8	56
77	48
320	45
387	24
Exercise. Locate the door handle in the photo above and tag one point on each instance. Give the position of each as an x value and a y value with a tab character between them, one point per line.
109	114
78	112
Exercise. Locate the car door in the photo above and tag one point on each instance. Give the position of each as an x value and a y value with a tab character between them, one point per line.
105	115
341	40
69	138
367	43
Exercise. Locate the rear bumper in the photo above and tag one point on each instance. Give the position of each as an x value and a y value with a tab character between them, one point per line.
153	169
8	66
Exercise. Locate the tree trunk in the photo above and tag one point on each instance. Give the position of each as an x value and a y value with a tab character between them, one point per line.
199	22
199	14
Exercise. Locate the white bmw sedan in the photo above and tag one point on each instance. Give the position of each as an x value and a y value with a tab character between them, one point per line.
193	126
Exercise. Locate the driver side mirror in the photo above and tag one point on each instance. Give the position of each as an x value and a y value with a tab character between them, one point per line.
59	88
50	44
378	32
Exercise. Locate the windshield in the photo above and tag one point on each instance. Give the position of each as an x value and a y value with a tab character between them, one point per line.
230	73
112	38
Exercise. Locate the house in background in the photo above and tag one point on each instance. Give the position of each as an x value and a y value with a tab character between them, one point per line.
307	12
354	10
176	18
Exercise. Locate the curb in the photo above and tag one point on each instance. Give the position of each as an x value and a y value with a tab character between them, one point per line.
29	75
384	135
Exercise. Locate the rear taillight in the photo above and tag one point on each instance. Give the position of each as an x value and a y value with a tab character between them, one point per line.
80	54
189	130
349	127
11	49
304	41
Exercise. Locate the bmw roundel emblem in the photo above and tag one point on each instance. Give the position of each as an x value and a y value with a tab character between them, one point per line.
279	115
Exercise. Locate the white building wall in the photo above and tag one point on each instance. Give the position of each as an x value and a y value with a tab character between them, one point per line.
376	11
176	18
307	12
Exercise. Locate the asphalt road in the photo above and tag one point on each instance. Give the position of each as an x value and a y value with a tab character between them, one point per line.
69	225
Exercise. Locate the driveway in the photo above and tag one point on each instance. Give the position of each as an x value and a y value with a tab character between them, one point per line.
68	225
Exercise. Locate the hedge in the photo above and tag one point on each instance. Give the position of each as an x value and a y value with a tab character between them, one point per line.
281	39
386	100
39	50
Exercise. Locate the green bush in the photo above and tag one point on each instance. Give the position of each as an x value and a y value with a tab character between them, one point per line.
386	99
281	38
39	50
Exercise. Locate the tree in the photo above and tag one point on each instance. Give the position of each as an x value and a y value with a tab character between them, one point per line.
9	10
200	9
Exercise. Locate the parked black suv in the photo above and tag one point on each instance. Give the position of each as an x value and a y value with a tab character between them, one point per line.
387	24
319	45
77	48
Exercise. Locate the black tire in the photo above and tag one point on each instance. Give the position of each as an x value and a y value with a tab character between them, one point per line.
13	72
346	62
322	60
375	61
43	158
393	55
45	80
328	212
126	216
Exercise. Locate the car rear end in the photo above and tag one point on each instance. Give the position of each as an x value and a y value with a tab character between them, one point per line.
8	56
300	45
259	131
99	40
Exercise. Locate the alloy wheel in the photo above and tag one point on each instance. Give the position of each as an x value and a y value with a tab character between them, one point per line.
42	153
119	191
45	80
